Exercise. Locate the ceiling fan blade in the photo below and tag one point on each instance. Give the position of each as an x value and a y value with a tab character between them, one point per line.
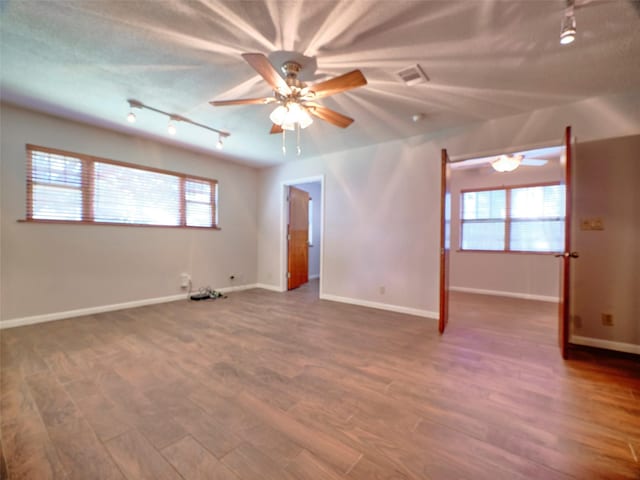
329	115
339	84
276	128
242	101
534	162
262	65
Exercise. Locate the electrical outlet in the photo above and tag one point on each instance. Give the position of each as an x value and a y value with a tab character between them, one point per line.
594	223
185	278
607	319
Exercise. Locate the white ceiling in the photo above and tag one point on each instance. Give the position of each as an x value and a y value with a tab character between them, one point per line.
485	59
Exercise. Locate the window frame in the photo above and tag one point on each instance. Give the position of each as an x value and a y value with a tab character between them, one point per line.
508	219
88	162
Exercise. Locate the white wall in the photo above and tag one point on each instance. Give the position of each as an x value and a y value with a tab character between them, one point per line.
48	268
526	275
314	191
382	202
378	227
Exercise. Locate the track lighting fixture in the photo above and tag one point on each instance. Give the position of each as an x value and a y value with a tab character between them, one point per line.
568	26
173	118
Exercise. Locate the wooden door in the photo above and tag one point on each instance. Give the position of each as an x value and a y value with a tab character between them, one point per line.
298	238
566	256
445	235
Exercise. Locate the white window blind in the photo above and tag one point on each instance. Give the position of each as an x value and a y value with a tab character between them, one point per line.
519	219
68	187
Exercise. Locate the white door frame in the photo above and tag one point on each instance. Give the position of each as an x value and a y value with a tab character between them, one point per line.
284	220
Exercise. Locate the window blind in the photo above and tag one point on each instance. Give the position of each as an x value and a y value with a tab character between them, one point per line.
523	219
68	187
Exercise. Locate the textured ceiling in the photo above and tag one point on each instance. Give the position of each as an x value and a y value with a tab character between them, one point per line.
485	59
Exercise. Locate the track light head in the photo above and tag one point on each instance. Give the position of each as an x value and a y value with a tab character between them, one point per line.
133	104
568	25
219	145
171	127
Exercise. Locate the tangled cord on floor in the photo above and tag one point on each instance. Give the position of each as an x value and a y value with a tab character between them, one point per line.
204	293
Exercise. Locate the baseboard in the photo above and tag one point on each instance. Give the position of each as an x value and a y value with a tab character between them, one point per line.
237	288
500	293
606	344
266	286
313	277
380	306
49	317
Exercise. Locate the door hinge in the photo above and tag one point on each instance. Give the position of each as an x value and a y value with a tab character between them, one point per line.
288	274
289	237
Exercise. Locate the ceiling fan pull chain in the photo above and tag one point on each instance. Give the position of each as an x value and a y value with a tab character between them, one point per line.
298	133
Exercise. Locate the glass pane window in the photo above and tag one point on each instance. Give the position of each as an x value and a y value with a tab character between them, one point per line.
73	187
484	204
199	215
56	170
483	236
56	203
129	195
198	203
538	202
537	235
523	219
198	191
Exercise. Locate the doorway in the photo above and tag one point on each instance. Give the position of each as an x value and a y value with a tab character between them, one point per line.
314	189
504	227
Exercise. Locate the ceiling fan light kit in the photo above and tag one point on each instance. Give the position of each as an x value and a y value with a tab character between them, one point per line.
289	115
506	163
296	99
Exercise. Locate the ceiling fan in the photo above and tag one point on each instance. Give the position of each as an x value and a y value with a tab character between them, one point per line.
296	99
501	163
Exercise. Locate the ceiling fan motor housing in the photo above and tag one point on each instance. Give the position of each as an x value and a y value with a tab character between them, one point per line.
291	70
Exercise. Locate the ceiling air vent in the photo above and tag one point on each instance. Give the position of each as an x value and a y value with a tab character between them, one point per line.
413	75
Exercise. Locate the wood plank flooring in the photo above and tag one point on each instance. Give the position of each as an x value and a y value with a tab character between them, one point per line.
264	386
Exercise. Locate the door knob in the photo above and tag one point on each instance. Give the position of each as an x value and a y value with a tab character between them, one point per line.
568	255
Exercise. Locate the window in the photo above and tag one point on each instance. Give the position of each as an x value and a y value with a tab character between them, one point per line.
516	219
69	187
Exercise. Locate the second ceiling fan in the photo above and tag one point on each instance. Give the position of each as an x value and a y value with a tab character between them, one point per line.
296	99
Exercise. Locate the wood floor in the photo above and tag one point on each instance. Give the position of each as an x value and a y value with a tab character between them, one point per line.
264	385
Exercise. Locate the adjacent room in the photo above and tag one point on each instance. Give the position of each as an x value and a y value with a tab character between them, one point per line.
358	240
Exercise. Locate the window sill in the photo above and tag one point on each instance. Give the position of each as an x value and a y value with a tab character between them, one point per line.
517	252
113	224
